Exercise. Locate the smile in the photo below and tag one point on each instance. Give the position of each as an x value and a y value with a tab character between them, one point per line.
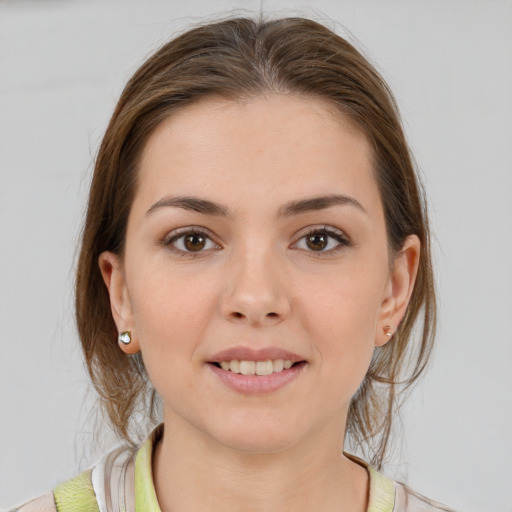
252	371
256	367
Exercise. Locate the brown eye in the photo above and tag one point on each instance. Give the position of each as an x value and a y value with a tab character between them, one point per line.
191	241
317	241
194	242
322	241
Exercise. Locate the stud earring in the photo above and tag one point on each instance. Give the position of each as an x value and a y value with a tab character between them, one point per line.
125	337
388	330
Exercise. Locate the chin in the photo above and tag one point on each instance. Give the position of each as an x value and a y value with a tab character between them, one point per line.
262	433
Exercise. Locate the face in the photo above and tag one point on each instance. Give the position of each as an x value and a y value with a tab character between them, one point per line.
256	278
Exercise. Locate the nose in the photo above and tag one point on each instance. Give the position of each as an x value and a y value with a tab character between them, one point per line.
256	290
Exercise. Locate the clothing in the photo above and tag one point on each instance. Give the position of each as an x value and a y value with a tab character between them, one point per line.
122	482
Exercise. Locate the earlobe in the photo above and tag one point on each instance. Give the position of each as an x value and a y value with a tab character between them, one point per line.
113	275
399	289
127	343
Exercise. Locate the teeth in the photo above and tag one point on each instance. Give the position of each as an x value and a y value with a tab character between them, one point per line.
256	367
234	366
264	368
278	365
247	367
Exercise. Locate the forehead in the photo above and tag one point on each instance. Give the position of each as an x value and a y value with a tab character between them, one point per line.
260	149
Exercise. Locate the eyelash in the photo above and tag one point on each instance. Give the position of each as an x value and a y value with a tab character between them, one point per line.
338	236
181	234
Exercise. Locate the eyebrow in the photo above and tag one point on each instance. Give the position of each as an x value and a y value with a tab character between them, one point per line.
207	207
318	203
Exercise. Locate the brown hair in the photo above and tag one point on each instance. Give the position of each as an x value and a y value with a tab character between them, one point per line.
243	58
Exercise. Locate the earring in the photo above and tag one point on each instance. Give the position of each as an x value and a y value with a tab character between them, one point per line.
388	330
125	337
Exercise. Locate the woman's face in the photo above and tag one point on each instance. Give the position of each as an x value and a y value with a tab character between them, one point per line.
257	240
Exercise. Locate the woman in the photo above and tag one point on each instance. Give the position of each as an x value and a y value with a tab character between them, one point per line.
255	254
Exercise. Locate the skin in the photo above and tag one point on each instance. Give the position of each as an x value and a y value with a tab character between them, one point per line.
257	283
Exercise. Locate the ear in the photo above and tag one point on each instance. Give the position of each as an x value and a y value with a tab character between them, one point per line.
113	274
398	289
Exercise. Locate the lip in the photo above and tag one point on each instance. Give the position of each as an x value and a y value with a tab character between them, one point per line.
256	384
250	354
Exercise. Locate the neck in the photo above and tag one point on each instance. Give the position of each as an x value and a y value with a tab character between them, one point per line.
311	476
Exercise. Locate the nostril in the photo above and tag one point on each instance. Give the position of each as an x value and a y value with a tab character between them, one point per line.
237	315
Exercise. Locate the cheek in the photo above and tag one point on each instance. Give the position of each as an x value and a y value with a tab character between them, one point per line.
341	317
171	315
344	307
172	318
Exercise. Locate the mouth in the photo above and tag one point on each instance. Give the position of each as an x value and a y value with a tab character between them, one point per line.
260	368
257	372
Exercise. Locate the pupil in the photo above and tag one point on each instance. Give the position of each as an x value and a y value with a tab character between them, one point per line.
317	242
195	242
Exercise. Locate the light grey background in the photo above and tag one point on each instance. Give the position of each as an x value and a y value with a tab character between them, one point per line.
62	67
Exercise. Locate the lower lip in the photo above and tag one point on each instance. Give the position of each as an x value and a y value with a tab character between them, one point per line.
257	384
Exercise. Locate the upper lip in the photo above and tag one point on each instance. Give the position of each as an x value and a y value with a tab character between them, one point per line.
250	354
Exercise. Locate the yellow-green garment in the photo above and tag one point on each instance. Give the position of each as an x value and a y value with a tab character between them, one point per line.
122	482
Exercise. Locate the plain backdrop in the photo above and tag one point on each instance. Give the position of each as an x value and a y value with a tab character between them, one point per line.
62	67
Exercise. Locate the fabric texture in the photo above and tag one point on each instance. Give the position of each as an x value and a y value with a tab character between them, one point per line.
76	494
44	503
122	481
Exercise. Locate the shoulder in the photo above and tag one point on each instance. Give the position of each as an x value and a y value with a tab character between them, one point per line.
75	495
387	495
407	500
44	503
110	483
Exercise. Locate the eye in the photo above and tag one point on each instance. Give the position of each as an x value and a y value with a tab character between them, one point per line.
190	241
322	240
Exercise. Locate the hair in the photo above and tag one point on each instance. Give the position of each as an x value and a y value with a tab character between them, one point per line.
243	58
